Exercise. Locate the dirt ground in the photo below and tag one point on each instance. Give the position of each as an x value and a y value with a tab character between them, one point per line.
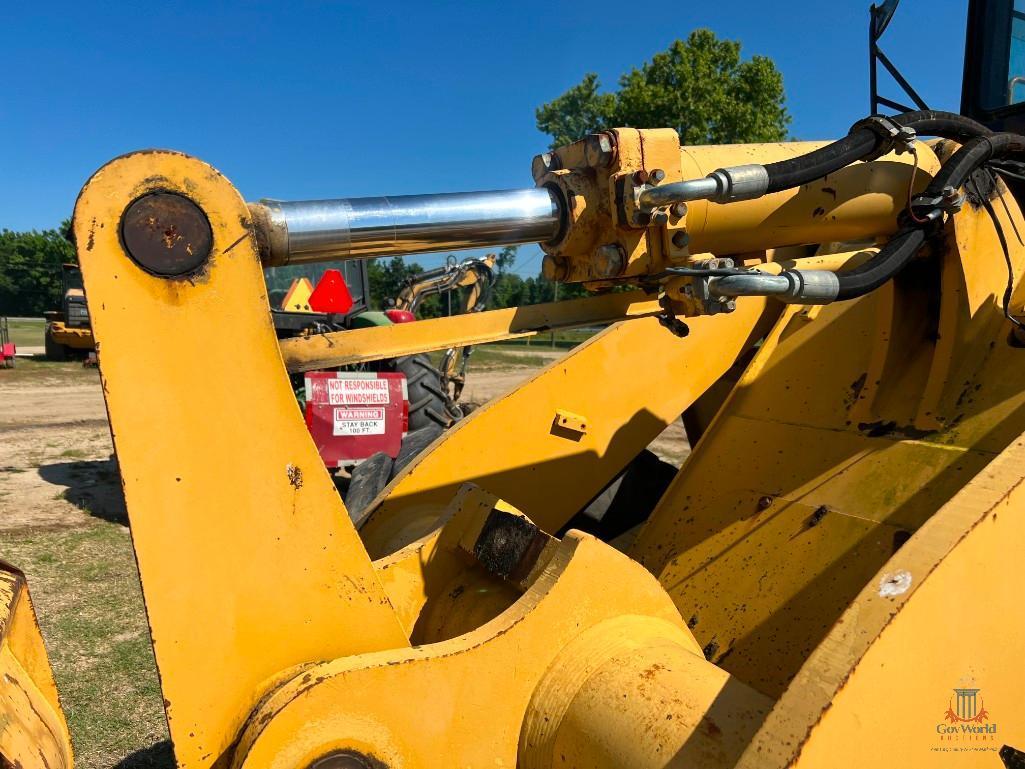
63	521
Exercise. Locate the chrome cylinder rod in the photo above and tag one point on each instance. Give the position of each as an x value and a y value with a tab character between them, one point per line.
324	230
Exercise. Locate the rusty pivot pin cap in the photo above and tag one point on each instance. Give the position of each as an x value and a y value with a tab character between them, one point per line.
166	234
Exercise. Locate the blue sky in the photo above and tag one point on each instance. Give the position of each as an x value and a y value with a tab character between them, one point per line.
306	100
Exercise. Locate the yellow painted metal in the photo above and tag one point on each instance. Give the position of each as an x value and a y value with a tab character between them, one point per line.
513	447
943	613
442	282
865	468
71	336
342	348
860	202
683	711
462	701
433	572
853	427
33	731
249	563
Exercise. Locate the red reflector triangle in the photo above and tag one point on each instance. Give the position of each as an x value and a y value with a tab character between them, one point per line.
331	294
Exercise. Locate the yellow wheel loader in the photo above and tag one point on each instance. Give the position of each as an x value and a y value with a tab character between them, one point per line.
831	579
68	331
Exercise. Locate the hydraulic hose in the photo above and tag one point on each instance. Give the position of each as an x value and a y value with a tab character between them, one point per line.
863	142
924	215
890	260
867	140
903	246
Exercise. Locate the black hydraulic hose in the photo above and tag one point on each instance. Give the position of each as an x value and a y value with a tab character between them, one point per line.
786	174
946	125
890	260
862	142
903	246
972	156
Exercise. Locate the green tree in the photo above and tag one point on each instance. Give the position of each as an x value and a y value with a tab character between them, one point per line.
30	270
700	87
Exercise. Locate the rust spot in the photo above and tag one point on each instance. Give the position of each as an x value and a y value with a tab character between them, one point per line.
295	476
830	191
820	211
652	671
710	649
816	517
509	545
712	727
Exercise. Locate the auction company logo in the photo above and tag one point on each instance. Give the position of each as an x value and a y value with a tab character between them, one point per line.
966	718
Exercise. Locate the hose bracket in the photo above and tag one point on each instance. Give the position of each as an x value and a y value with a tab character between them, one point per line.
891	136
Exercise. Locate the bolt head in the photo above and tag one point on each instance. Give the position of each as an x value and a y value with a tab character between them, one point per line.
728	305
681	239
657	175
640	177
679	210
600	150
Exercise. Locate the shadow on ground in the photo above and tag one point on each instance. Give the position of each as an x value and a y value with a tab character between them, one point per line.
156	756
94	486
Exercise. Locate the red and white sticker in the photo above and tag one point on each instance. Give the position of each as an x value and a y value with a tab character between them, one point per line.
349	421
357	392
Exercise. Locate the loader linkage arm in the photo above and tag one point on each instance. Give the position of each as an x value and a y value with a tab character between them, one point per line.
864	460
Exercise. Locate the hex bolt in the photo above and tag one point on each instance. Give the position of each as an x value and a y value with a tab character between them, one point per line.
727	305
681	239
679	210
640	177
600	149
657	175
764	503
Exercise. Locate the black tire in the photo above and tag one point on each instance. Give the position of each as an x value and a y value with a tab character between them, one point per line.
54	349
412	445
429	403
371	475
641	487
368	478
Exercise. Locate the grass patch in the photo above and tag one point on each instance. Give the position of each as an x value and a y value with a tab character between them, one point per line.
565	339
27	333
38	370
86	591
489	357
75	454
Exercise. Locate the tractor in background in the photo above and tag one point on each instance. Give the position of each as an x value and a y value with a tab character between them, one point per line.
68	330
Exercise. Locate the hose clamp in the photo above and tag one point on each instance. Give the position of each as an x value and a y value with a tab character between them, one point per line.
929	209
891	136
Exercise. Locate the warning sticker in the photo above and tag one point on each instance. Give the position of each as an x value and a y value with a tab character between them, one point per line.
359	422
359	392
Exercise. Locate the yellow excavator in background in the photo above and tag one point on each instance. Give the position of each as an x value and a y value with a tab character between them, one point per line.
471	281
830	580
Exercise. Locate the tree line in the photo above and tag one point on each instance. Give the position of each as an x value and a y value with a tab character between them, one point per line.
700	86
30	269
